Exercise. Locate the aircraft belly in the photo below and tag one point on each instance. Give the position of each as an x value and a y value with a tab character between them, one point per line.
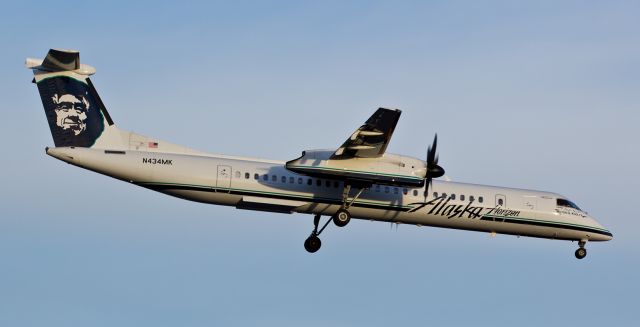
510	227
204	196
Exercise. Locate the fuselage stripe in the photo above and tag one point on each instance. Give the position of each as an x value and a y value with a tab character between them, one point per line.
276	195
532	222
365	204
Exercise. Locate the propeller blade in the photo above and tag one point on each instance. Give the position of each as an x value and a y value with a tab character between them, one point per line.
435	145
427	183
431	153
433	170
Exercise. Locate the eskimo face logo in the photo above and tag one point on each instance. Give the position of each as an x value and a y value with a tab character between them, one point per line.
71	112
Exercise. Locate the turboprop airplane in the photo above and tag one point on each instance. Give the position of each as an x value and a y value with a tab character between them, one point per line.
359	179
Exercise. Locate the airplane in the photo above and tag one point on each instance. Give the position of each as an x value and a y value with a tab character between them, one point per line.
357	180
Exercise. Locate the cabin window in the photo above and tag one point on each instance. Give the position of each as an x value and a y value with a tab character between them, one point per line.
480	199
377	188
292	180
386	189
299	180
246	175
453	196
444	195
500	202
471	198
336	184
566	203
405	191
284	179
309	181
461	197
415	192
327	183
435	195
238	174
256	176
274	178
395	190
265	177
318	182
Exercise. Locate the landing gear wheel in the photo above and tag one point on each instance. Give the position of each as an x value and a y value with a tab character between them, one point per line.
581	253
341	218
312	244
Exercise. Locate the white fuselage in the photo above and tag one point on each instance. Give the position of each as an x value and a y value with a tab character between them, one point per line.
267	185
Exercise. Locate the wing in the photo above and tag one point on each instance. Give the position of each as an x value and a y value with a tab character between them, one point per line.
372	138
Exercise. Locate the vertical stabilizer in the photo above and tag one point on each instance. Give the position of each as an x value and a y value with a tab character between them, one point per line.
74	111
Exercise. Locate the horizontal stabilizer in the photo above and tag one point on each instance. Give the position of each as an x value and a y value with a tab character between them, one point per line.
60	61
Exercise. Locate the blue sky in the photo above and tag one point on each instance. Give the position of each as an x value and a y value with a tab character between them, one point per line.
541	95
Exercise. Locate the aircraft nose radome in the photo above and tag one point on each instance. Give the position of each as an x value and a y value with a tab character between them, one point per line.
606	234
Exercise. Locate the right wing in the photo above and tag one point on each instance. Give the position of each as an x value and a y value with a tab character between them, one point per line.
372	138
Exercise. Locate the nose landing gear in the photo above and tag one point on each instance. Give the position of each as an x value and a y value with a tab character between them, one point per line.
581	252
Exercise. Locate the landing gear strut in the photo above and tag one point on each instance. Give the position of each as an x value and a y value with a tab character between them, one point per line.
342	217
581	252
312	243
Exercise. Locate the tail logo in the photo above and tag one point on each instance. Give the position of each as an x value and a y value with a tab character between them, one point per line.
71	112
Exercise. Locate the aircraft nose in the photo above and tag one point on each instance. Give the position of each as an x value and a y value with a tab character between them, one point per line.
603	233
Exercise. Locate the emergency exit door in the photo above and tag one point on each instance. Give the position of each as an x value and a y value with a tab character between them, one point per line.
223	180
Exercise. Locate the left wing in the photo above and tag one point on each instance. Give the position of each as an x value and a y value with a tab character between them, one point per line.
372	138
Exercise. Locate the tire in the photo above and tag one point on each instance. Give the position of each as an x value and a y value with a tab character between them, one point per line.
312	244
581	253
341	218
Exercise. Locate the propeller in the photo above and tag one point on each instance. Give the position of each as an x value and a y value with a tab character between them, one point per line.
433	170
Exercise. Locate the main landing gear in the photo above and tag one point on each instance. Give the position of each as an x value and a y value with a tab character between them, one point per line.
312	243
581	252
341	218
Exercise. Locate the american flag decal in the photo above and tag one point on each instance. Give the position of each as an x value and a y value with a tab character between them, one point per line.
153	144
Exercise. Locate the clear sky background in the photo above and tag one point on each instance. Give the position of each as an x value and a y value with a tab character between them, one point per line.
542	95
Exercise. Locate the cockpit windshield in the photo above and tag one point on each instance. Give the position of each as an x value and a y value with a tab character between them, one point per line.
567	203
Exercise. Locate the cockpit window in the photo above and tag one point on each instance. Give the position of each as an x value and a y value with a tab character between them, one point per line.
567	203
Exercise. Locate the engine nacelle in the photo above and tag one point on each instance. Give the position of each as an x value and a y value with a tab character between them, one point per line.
388	169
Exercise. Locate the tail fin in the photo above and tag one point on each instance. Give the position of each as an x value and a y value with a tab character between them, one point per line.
76	115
